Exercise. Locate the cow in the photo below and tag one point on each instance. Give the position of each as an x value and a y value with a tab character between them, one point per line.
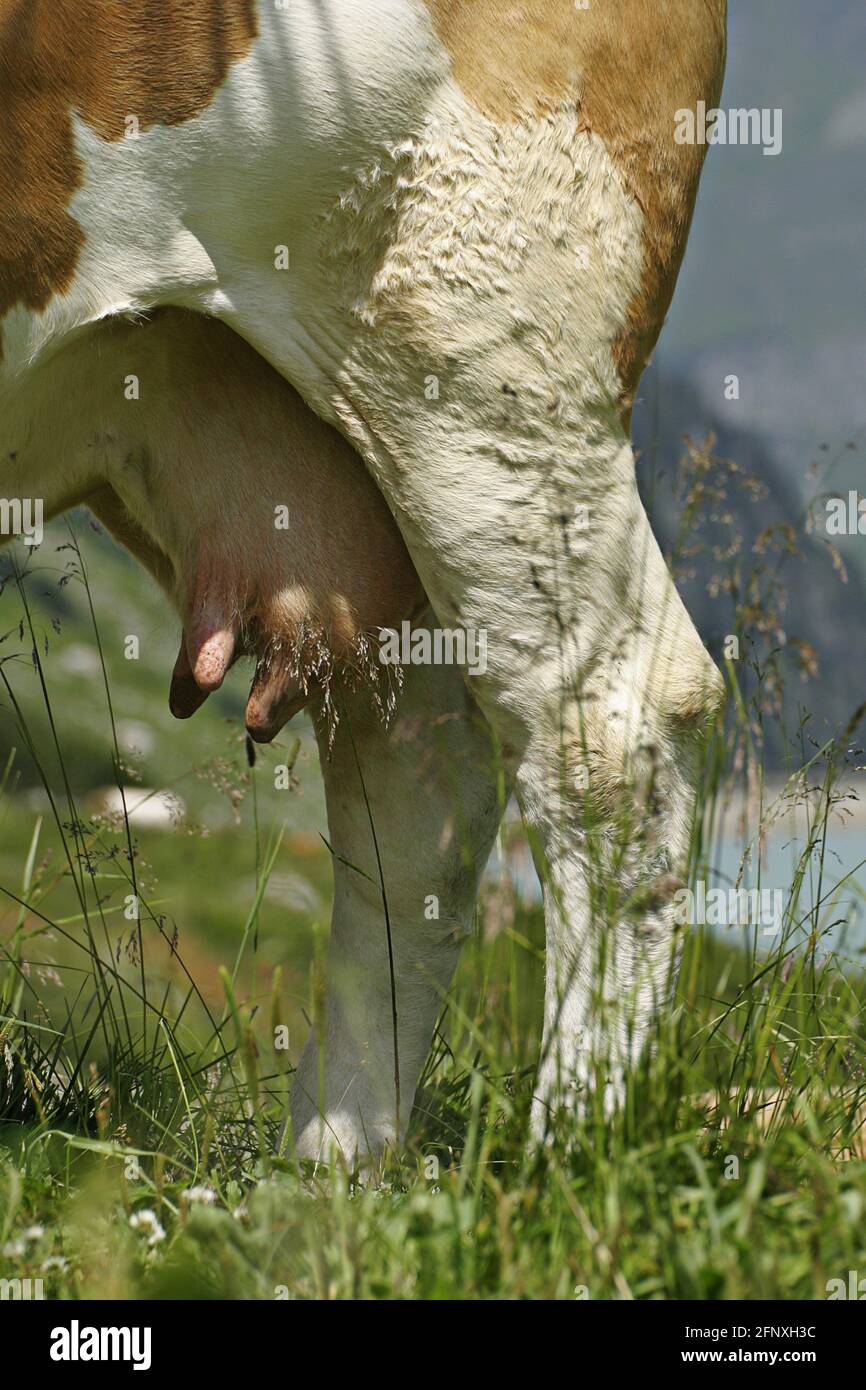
453	229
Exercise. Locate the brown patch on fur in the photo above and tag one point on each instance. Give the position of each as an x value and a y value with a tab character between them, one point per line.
105	60
631	64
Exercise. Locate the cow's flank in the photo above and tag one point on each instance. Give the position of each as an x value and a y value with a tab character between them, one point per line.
107	61
631	64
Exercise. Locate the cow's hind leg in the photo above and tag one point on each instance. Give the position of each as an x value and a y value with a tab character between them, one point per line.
412	813
600	692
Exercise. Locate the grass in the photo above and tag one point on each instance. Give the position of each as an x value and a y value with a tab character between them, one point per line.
142	1096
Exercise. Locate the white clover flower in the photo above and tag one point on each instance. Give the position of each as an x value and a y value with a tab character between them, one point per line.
205	1195
148	1221
15	1249
58	1262
34	1233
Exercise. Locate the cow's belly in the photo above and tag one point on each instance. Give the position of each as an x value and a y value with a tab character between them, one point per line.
343	138
197	214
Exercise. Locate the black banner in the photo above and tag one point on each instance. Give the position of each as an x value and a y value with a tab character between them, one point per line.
63	1339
